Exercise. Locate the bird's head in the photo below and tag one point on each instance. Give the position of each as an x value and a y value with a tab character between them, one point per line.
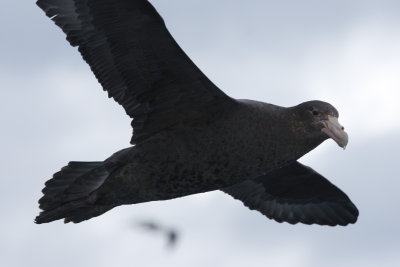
320	119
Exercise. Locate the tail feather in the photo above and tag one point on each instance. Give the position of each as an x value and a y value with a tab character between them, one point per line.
54	192
60	212
85	213
70	194
75	211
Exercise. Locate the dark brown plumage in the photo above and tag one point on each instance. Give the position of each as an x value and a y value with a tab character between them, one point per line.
189	136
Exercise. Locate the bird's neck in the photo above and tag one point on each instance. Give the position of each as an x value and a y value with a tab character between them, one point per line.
296	140
288	137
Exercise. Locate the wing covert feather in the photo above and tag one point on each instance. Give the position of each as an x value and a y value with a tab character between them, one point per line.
296	193
137	61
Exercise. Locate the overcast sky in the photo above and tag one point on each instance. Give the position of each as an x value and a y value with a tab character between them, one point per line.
283	52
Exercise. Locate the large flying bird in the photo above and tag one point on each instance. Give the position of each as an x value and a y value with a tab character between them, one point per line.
188	136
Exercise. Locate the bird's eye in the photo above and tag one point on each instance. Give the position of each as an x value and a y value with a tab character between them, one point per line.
315	113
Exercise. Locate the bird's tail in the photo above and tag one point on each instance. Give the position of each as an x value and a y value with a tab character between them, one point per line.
70	194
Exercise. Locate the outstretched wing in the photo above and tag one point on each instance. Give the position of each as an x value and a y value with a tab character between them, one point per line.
137	61
296	193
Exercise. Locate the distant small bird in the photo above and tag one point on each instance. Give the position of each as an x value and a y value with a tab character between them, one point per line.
170	234
189	137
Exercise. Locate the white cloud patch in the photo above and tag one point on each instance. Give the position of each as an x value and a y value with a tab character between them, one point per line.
361	74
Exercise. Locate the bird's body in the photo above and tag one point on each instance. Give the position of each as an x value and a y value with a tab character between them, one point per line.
207	155
189	137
